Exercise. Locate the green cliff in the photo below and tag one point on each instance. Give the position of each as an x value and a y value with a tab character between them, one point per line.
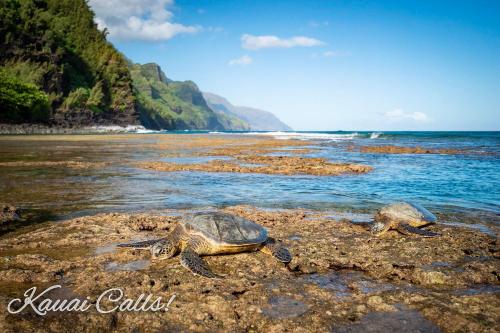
57	68
167	104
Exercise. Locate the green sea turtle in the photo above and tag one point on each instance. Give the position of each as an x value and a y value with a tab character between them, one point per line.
404	217
209	233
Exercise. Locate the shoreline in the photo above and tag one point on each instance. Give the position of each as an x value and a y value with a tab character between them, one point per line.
341	277
39	129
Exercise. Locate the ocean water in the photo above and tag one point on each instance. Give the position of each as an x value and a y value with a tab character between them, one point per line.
461	183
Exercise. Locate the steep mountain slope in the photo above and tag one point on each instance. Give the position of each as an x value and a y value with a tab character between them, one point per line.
57	68
167	104
258	120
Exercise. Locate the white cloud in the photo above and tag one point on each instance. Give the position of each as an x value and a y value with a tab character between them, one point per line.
251	42
148	20
241	61
399	115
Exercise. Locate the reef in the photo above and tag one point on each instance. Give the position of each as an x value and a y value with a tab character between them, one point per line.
342	277
276	165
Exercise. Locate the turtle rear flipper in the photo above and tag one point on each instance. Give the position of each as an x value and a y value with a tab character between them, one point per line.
276	250
192	261
143	245
407	229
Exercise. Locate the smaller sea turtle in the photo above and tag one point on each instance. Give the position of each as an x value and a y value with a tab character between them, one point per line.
209	233
404	217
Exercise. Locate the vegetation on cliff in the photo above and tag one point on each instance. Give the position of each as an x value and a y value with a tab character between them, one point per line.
57	67
167	104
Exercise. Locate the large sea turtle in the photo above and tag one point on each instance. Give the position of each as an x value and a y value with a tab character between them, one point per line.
404	217
209	233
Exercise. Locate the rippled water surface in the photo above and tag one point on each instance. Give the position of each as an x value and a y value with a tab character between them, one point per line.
462	183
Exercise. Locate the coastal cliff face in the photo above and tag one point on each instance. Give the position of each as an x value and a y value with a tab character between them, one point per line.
56	67
168	104
58	71
258	120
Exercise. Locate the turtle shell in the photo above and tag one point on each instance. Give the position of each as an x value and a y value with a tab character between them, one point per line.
407	212
224	228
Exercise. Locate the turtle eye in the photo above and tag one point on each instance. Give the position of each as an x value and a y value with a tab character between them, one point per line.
157	250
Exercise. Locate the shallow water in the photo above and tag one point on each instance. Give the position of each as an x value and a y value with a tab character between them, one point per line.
465	183
136	265
407	321
344	283
284	307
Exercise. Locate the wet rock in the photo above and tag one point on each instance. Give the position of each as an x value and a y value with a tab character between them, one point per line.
401	321
430	278
377	303
58	164
276	165
340	277
284	307
9	214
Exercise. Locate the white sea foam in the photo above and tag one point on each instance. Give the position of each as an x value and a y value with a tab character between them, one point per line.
146	131
375	135
308	136
121	129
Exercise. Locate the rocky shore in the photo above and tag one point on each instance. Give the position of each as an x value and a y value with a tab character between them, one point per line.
22	129
253	156
342	278
277	165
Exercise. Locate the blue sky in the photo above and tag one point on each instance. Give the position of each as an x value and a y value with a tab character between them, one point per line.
327	65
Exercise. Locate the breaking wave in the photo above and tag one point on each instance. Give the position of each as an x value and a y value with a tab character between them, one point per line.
309	135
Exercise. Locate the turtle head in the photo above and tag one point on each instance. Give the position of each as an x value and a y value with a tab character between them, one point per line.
378	227
380	224
164	249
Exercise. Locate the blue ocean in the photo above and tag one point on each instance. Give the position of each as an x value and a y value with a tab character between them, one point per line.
461	182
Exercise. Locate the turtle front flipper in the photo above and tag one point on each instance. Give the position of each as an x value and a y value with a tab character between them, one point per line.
143	245
192	261
407	229
276	250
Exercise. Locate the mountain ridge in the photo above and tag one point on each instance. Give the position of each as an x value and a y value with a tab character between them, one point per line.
59	71
259	120
167	104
